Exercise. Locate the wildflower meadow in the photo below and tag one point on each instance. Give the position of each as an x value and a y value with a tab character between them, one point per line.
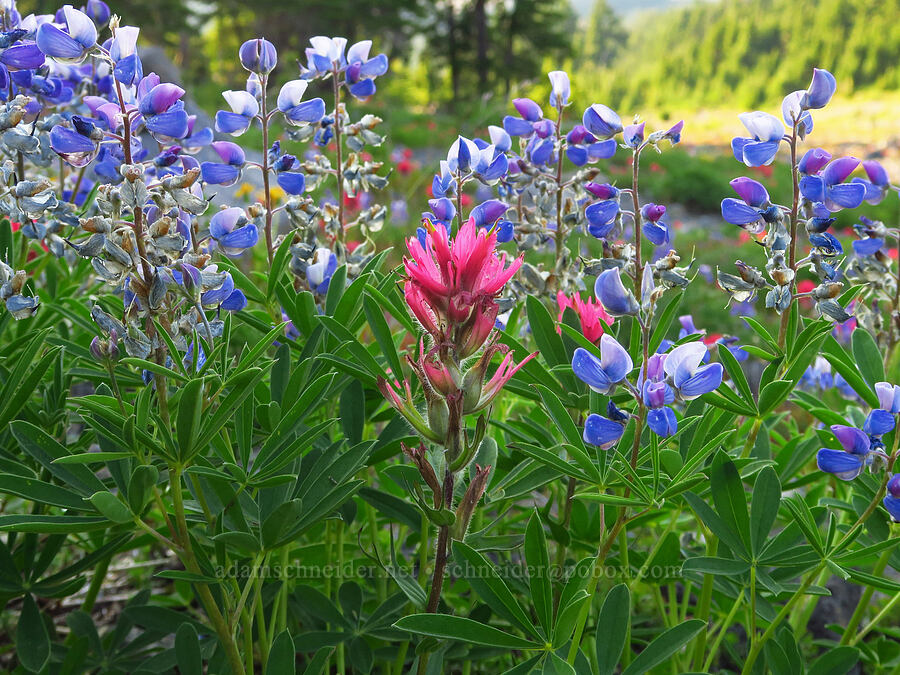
259	415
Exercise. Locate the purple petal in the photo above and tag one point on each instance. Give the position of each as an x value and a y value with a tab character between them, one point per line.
528	109
853	440
751	191
838	170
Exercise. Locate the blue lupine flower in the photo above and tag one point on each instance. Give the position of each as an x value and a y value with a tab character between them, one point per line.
226	297
22	55
604	373
196	139
297	111
829	187
888	396
489	164
602	121
488	213
612	294
72	44
78	145
662	421
229	170
820	220
766	133
688	376
461	154
161	108
189	357
602	432
820	90
288	174
602	217
244	107
582	147
541	149
559	88
892	498
848	463
361	71
736	350
232	231
258	56
792	111
654	228
752	211
320	270
442	211
633	135
499	138
323	56
98	11
878	184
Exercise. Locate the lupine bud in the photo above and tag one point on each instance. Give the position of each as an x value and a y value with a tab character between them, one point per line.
258	56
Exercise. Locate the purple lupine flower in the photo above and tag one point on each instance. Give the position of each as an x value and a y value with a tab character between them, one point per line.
612	294
72	44
530	115
298	112
813	161
753	210
829	187
582	147
232	231
766	134
654	228
849	462
229	170
79	145
633	135
891	500
489	214
688	376
98	11
361	71
258	56
604	373
878	183
820	90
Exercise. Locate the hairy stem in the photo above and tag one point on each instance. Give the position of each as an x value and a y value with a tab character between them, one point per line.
264	122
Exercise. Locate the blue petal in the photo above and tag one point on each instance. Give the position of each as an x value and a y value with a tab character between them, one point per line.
308	112
760	153
657	233
842	464
362	89
292	182
738	212
615	358
219	174
704	380
602	213
813	188
601	431
662	421
845	195
868	246
516	126
892	504
737	147
602	149
173	124
235	302
54	42
878	422
25	56
241	238
612	294
231	123
577	154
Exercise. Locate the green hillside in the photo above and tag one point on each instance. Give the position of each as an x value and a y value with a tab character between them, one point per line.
750	51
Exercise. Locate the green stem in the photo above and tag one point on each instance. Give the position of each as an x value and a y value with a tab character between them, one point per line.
865	598
874	622
750	443
340	571
264	122
90	598
729	620
712	545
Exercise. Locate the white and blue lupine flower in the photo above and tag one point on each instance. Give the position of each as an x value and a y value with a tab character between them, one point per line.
766	134
612	294
820	90
633	135
72	44
444	183
489	164
228	170
127	67
298	112
891	500
793	112
461	155
323	56
688	376
360	71
232	231
849	462
888	396
499	138
560	89
226	297
244	107
829	187
602	121
604	373
320	270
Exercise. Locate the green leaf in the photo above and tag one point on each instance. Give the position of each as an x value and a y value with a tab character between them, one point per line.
92	457
449	627
773	395
32	638
40	492
729	497
111	507
665	322
837	660
714	565
280	522
190	412
282	656
612	628
382	332
543	329
353	411
714	522
482	576
538	560
140	486
763	508
564	423
44	449
868	357
736	373
187	650
52	524
664	646
336	289
842	363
